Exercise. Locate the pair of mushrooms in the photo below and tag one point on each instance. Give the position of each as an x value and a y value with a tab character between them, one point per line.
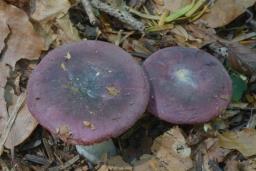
91	91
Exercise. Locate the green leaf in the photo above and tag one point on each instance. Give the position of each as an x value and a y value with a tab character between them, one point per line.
239	87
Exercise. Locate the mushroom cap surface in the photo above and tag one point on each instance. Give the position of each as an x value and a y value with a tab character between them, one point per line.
187	86
87	92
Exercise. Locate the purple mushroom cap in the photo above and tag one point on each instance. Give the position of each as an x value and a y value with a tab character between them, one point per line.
87	92
187	85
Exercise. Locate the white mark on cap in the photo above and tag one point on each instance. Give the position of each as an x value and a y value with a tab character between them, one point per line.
185	76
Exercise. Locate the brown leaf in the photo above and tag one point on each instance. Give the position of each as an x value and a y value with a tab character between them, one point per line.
223	12
199	32
65	30
116	163
3	111
232	165
24	4
49	9
172	151
52	22
243	141
22	41
214	151
147	163
248	165
25	122
17	40
242	58
4	32
171	5
3	108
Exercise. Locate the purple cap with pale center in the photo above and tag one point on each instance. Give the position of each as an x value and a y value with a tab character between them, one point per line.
87	92
187	85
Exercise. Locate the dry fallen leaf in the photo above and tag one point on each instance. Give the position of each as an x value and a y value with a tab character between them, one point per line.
248	165
4	32
172	151
24	4
49	9
184	38
17	40
171	5
52	22
147	163
22	41
232	165
243	141
214	151
66	32
116	163
3	108
24	121
223	12
11	120
242	58
199	32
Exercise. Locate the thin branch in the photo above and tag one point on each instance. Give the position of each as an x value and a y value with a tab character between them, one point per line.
89	11
140	14
123	15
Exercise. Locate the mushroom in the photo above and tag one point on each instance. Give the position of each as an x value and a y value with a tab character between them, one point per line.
87	92
187	86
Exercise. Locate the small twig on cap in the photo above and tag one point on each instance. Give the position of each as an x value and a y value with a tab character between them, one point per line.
11	121
89	11
123	15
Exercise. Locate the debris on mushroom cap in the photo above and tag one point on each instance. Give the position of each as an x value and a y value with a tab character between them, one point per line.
68	56
89	125
93	88
187	85
64	132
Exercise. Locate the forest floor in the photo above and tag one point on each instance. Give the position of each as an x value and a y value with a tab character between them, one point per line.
226	29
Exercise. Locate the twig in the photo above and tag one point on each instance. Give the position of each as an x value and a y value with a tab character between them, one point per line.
123	16
66	164
243	37
70	162
36	159
48	149
89	11
11	121
147	16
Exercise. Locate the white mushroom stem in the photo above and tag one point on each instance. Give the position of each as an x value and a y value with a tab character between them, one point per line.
93	153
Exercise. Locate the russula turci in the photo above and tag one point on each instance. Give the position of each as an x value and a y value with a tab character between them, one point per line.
87	92
187	85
